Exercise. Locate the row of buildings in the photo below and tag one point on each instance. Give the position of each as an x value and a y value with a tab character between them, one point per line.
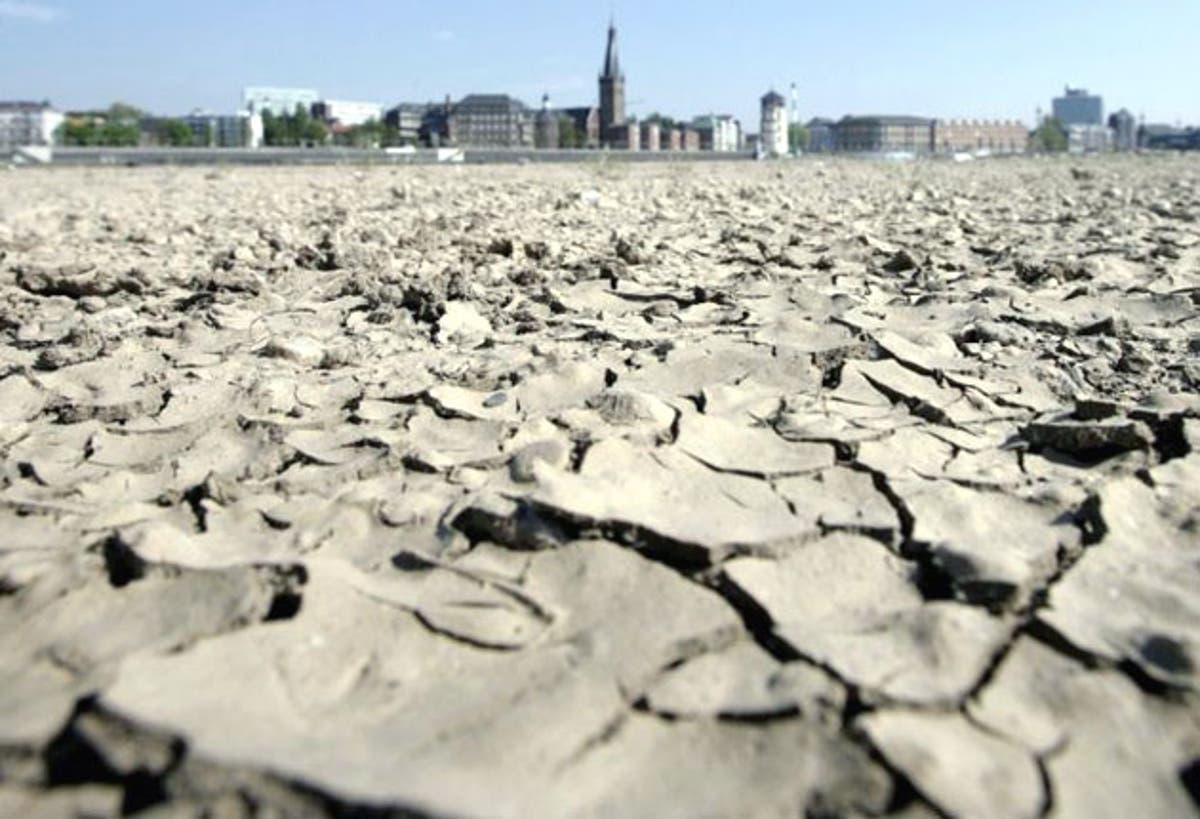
918	136
502	121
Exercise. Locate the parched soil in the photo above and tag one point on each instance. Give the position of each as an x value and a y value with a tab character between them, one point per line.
825	488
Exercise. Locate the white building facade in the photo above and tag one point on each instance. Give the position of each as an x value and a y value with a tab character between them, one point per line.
1089	139
773	132
726	132
28	124
279	101
240	130
346	112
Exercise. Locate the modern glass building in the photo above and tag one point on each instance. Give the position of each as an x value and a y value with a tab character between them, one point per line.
1078	107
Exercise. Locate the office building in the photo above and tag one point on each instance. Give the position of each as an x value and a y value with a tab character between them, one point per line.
773	130
883	135
1124	131
1077	107
278	101
240	130
28	124
347	113
405	120
953	136
612	94
491	120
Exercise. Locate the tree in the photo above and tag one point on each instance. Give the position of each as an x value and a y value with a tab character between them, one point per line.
80	132
665	123
391	136
368	135
797	138
272	129
124	112
175	133
569	136
120	134
1051	136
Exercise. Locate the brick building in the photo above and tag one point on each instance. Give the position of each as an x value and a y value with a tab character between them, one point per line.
491	120
971	135
883	135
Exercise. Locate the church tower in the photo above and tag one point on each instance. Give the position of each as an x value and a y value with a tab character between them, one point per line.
612	90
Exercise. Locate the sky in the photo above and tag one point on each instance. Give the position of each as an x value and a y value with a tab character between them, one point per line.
932	58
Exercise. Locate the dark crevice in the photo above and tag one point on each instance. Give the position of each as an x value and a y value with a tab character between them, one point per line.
1189	777
904	793
579	450
121	563
1090	521
1047	787
1170	435
1147	684
756	620
163	772
72	759
1050	637
920	409
288	583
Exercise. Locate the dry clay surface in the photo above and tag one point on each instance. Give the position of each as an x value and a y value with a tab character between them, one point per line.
746	490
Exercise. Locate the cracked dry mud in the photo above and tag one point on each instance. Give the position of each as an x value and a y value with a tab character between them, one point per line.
847	489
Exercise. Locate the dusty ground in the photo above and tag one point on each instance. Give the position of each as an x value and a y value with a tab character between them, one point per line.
659	491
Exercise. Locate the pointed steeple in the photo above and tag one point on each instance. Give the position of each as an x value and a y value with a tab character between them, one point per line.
612	64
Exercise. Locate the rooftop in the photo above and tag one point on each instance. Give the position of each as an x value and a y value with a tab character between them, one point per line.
489	103
24	105
885	119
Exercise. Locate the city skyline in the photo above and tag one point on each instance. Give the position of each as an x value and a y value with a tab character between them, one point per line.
928	59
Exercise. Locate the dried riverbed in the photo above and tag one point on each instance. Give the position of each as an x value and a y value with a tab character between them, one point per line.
857	489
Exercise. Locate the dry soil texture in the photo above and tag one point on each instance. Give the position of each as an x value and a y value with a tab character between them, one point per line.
748	490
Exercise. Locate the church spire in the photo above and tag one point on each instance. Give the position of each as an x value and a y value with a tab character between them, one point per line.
612	64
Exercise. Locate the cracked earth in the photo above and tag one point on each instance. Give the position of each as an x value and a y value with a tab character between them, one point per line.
753	490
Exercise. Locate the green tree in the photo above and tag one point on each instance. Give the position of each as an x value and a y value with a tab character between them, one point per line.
391	136
120	134
80	132
368	135
1051	136
569	136
175	133
665	123
123	112
272	129
797	138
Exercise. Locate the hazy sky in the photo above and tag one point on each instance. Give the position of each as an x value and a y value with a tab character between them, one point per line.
926	57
